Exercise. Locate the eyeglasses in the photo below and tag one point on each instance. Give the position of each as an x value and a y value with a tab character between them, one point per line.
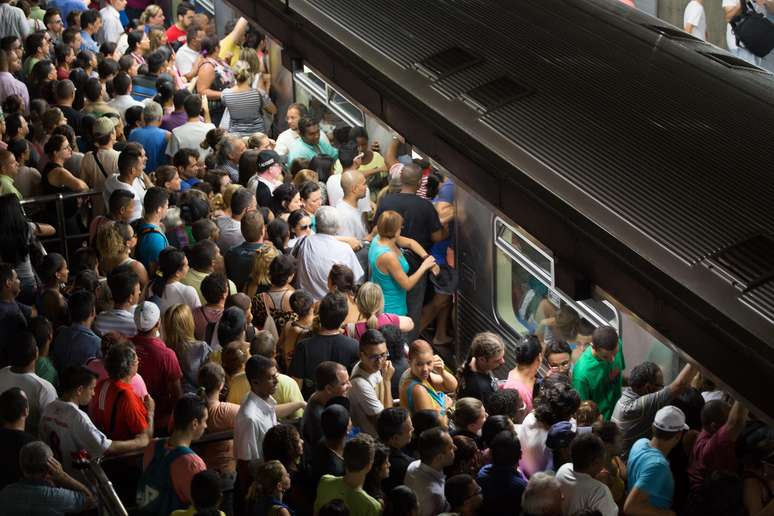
561	365
378	357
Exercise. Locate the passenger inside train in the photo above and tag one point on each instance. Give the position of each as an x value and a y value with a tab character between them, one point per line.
218	300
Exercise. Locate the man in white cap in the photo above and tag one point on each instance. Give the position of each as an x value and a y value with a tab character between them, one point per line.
651	484
158	365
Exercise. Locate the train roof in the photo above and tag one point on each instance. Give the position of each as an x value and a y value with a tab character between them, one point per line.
655	144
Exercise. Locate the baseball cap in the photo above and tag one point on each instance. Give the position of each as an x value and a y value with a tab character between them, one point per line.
103	125
146	316
670	419
267	158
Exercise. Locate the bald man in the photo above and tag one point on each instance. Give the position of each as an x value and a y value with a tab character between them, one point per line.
352	223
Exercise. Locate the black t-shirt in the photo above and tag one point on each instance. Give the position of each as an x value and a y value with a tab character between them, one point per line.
13	319
73	117
399	462
319	348
324	462
420	220
11	442
477	385
310	424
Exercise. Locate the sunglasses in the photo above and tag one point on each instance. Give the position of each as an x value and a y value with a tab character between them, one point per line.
304	227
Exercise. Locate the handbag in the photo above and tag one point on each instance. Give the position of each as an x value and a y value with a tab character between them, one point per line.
753	31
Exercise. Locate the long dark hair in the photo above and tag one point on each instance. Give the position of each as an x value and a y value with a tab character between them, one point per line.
14	230
170	261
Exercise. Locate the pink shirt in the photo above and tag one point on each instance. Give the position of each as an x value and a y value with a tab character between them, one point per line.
97	366
524	391
360	327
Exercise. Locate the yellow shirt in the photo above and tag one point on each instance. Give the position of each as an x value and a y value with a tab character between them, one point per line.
7	187
194	279
288	391
238	387
227	46
377	162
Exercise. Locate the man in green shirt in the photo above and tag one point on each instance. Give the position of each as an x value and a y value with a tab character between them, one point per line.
597	374
8	169
358	459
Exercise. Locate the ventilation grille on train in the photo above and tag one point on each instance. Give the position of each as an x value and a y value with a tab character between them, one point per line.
732	62
470	321
747	264
447	62
673	33
496	93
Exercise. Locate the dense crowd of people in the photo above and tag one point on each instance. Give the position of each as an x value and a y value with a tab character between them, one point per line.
255	319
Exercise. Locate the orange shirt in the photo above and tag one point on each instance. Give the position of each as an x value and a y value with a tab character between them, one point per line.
116	401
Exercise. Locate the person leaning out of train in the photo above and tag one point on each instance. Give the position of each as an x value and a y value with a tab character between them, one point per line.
425	384
389	267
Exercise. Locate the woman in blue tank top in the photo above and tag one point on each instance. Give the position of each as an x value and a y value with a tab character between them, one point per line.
389	268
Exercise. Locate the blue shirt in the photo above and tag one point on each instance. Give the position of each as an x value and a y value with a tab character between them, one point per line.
40	498
502	486
150	242
301	149
88	42
74	345
648	470
66	7
154	141
394	294
187	184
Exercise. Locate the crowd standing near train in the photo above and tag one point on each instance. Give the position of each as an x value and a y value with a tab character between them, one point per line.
289	294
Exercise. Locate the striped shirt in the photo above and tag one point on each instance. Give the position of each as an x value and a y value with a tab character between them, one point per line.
246	110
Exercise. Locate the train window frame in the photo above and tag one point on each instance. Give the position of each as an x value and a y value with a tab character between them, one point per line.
555	296
308	79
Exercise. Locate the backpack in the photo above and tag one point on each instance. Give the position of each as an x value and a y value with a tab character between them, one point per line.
753	31
155	492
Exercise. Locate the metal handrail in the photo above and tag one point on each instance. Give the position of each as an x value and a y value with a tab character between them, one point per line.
214	437
61	228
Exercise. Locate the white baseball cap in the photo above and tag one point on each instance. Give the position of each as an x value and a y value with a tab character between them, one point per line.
146	316
670	419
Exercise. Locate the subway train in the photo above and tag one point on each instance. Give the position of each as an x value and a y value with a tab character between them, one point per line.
603	159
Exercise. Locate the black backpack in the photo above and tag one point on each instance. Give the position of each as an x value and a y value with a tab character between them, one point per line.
753	31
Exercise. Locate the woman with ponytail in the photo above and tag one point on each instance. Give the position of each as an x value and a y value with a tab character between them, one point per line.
371	316
529	354
166	287
486	353
265	495
219	455
178	328
341	279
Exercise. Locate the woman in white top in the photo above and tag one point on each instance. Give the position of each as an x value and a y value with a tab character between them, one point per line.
166	287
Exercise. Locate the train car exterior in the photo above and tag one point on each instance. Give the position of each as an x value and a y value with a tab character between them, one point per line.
586	192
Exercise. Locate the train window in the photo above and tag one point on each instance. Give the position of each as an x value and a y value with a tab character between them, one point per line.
324	102
518	242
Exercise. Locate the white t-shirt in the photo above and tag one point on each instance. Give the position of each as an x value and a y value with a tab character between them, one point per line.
189	136
583	492
255	417
535	455
350	221
67	430
39	393
137	188
363	401
185	58
336	194
177	293
694	14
